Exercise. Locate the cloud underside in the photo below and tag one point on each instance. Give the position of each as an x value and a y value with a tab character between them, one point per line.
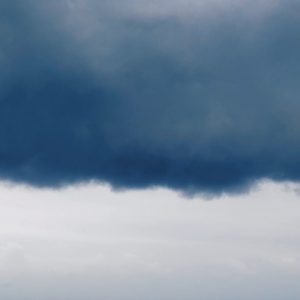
203	99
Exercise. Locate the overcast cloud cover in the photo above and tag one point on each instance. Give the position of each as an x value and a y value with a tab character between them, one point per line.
90	243
196	96
191	95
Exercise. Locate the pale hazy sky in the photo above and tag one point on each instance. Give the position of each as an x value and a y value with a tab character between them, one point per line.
92	243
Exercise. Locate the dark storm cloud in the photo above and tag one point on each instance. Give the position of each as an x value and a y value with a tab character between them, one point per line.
203	100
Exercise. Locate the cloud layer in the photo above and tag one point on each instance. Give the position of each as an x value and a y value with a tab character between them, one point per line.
194	96
91	243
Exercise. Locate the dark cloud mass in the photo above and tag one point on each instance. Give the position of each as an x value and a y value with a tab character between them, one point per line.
137	94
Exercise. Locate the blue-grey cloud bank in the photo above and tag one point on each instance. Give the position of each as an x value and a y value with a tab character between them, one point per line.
194	96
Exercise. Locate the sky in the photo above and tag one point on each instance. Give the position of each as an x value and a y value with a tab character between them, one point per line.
89	242
149	149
